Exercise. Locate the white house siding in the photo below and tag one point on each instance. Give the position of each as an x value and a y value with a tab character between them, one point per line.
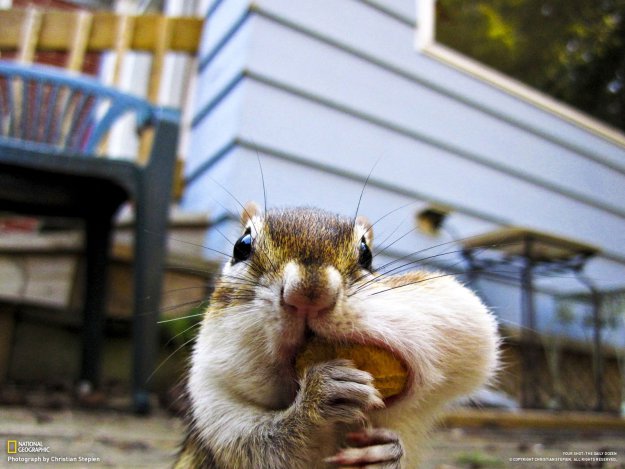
324	92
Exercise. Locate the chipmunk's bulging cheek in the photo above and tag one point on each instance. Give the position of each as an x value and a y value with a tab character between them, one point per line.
340	323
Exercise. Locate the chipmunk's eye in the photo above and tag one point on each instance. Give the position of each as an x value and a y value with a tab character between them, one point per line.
364	255
242	248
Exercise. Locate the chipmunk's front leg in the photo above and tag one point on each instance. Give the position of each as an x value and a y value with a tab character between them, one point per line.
247	437
377	448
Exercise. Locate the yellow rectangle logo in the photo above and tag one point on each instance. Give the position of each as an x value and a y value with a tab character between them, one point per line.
11	446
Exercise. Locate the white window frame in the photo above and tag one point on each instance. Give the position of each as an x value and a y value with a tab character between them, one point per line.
425	42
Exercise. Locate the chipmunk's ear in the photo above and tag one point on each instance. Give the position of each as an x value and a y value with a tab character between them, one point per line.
250	211
366	227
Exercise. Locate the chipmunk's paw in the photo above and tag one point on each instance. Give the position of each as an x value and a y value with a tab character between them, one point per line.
377	448
335	391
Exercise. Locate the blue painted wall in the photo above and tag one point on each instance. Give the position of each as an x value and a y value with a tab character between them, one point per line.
323	91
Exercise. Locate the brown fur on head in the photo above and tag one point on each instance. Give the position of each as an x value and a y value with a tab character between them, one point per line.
309	236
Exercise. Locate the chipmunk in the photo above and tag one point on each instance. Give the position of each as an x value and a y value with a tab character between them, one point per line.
301	273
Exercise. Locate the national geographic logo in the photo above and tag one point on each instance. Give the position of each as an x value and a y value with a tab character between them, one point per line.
15	447
36	452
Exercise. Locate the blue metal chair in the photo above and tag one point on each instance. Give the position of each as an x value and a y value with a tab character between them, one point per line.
52	124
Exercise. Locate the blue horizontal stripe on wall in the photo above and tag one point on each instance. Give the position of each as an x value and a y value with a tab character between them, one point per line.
212	160
236	26
392	13
217	99
213	8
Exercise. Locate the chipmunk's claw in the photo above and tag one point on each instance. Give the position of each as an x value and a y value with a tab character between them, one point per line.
377	448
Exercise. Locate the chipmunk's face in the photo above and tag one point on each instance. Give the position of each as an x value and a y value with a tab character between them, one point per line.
296	266
299	273
310	254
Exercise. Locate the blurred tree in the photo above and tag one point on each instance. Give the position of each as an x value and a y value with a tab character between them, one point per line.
573	50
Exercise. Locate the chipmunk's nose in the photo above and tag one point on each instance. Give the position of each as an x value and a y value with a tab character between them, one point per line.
303	306
310	292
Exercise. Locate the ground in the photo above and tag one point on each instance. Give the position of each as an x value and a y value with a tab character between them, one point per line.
120	439
525	448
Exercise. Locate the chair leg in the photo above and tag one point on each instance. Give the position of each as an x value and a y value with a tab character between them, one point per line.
97	241
150	234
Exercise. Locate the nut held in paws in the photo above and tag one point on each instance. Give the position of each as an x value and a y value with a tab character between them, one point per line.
389	373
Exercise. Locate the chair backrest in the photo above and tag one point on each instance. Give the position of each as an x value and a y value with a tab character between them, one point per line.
49	109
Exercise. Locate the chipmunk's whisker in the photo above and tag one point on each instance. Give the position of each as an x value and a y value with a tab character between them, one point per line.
262	178
387	214
227	238
249	280
168	358
196	302
516	325
176	290
196	245
180	318
412	283
379	252
382	250
455	251
362	192
511	275
416	261
413	262
241	297
389	236
197	324
267	257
